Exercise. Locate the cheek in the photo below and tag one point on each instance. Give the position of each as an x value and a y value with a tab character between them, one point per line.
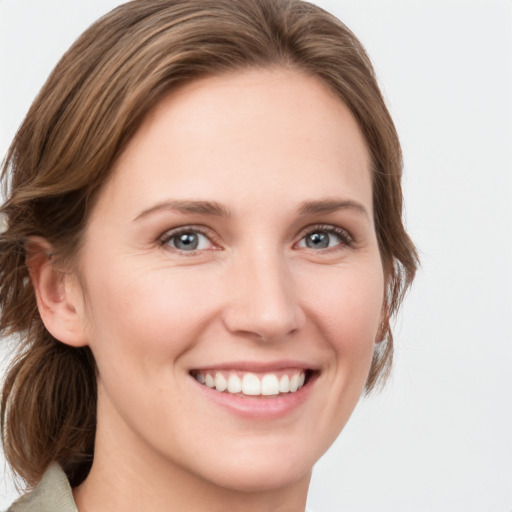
348	305
155	311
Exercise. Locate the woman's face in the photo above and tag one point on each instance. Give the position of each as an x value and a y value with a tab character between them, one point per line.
234	245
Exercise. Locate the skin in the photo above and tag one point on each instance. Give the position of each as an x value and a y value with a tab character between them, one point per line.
260	143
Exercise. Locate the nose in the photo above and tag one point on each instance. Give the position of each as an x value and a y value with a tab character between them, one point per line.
263	302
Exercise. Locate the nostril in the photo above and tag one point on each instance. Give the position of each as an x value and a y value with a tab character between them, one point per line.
263	303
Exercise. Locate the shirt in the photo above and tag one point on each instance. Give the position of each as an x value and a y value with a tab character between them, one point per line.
52	494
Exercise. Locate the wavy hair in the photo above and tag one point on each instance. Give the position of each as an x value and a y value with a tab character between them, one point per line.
87	111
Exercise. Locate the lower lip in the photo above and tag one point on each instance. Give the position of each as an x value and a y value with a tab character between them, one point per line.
261	407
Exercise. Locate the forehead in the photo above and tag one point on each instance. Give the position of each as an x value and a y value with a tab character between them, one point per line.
258	131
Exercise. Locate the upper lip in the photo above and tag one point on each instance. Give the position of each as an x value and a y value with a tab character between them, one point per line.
258	366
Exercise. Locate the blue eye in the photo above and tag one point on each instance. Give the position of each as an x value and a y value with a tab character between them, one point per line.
187	241
325	238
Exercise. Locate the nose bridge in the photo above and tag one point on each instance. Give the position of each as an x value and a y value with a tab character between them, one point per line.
264	302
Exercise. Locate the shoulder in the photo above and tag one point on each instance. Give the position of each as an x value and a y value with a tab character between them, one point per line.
52	494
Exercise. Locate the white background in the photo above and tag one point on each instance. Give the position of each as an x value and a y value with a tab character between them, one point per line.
439	437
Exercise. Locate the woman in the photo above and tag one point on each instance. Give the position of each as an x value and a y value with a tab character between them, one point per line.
203	250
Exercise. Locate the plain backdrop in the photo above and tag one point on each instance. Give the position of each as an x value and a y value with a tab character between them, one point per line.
439	437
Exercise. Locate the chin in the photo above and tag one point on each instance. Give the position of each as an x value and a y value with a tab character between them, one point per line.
267	466
263	477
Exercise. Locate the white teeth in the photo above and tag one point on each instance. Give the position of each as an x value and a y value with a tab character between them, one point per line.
269	385
234	384
221	384
209	381
251	385
294	383
284	384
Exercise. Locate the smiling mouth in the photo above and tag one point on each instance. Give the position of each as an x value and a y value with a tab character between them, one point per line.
268	384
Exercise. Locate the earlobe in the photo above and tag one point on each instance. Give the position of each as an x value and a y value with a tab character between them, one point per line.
57	293
383	329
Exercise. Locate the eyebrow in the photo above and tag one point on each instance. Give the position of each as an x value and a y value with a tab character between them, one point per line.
198	207
330	205
215	209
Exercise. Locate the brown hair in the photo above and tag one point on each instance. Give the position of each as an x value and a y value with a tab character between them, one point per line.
85	114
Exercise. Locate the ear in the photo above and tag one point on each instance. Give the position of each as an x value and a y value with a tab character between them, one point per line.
58	293
385	315
383	323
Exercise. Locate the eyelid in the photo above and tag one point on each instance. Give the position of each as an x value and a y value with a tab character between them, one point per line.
345	235
192	228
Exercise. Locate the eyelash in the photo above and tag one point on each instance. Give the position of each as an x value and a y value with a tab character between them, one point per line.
345	237
175	233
